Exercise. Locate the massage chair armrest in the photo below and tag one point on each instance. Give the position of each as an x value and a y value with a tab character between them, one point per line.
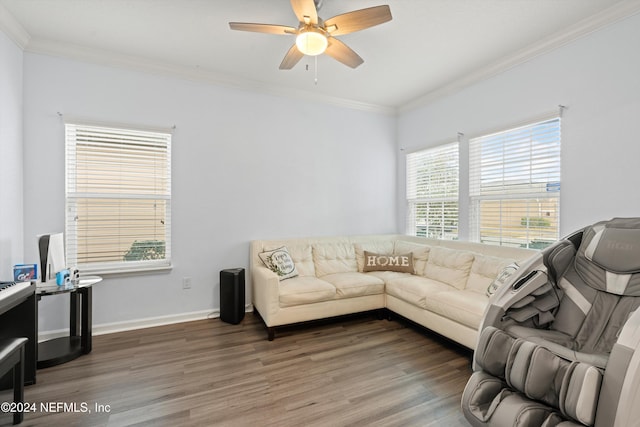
621	385
517	291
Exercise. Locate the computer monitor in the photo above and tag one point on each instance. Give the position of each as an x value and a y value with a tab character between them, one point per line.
52	258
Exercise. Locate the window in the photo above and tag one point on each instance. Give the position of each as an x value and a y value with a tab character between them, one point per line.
118	199
432	192
514	186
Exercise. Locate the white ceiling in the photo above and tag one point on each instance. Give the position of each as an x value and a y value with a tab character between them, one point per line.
429	48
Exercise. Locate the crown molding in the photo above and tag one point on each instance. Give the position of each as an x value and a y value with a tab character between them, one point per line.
12	28
619	11
118	60
15	31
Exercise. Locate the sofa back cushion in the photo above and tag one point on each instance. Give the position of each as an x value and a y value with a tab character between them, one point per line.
377	246
419	252
331	258
449	266
484	270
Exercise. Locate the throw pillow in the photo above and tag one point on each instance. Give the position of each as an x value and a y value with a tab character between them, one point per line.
377	262
279	261
502	278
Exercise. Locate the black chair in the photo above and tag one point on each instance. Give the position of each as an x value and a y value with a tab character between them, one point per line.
12	358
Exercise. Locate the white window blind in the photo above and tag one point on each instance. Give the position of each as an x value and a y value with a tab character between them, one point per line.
118	199
432	192
514	185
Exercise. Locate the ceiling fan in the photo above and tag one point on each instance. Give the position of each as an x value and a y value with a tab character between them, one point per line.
315	36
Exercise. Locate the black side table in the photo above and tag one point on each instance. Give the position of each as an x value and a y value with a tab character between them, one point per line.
61	350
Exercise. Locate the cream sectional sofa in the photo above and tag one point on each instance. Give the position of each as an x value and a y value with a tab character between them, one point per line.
445	293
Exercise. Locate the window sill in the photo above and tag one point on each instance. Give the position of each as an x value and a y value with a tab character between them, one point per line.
120	272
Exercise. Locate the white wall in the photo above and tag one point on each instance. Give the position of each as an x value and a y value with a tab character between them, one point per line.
597	78
249	165
245	166
11	164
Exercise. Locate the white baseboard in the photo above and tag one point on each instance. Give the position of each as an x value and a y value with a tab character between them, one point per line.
149	322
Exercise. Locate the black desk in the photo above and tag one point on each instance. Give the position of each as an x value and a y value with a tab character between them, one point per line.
61	350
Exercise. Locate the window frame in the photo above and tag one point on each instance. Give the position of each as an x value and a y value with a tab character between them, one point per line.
142	146
539	142
440	195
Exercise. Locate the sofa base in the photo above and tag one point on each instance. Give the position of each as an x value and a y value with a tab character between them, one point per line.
441	325
455	331
381	313
433	335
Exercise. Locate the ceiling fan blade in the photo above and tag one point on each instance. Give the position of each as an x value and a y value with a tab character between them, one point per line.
263	28
343	53
305	10
291	58
357	20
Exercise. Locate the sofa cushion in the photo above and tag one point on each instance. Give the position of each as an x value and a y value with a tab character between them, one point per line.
484	270
305	290
415	289
280	262
378	246
449	266
387	276
354	284
330	258
465	307
380	262
420	254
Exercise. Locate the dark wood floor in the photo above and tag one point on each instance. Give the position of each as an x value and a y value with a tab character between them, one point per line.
355	371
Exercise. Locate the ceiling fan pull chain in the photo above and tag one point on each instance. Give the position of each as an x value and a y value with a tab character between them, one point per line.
316	71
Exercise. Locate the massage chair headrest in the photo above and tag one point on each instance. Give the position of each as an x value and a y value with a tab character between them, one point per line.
615	246
609	256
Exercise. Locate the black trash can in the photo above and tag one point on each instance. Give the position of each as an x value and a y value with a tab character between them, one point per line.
232	295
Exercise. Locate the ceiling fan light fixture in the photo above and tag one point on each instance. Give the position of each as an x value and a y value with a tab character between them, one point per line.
311	42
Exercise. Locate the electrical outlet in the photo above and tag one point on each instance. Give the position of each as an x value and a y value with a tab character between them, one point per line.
186	283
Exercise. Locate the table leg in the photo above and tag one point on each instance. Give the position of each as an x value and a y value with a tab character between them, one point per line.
74	315
87	320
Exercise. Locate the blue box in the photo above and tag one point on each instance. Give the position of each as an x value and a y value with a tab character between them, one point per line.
25	272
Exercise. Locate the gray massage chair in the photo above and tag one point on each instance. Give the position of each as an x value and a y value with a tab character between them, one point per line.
560	340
